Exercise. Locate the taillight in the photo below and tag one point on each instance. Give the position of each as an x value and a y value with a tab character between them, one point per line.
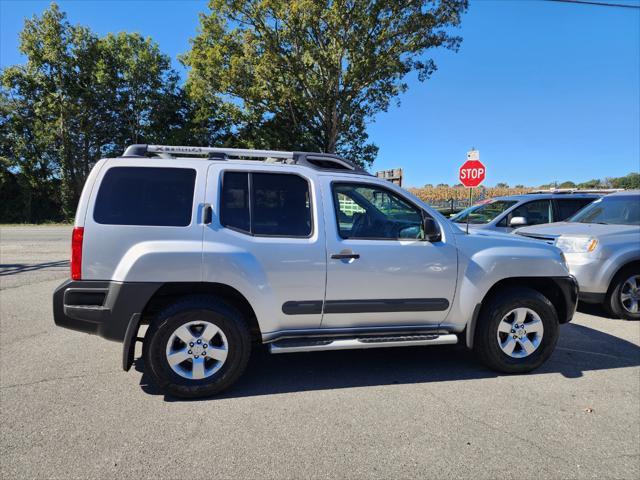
76	253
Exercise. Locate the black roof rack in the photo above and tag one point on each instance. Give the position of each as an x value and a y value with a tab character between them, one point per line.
317	161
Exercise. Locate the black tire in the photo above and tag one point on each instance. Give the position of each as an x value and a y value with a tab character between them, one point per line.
188	309
613	302
486	345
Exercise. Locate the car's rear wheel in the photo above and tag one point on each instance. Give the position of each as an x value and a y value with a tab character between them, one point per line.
623	299
517	331
196	347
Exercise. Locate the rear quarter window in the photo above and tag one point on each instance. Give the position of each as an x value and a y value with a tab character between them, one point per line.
145	196
567	207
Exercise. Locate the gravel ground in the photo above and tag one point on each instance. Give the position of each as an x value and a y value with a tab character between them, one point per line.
69	411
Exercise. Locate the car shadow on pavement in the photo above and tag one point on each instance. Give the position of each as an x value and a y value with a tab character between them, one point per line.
594	309
579	349
13	268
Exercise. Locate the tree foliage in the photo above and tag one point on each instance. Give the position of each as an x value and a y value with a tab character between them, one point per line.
79	97
295	75
309	74
630	181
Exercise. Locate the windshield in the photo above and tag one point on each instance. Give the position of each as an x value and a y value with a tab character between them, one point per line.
479	214
615	210
463	212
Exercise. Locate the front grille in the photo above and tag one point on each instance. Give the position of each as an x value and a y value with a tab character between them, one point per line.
545	238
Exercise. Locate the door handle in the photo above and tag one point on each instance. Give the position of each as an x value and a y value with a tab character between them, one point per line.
207	214
343	256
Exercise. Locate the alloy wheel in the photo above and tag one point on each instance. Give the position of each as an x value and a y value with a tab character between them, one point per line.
520	332
197	350
630	294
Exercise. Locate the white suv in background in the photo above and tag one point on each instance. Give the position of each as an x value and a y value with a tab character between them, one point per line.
299	252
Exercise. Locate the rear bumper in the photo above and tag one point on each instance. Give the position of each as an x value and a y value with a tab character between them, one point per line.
568	287
100	307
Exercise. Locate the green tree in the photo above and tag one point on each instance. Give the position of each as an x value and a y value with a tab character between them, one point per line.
502	185
567	184
142	93
628	182
44	91
595	183
309	74
80	97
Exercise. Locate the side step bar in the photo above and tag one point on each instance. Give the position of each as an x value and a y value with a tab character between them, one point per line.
317	344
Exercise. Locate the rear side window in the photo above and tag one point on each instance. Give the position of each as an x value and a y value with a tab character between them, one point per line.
568	206
235	210
145	196
266	204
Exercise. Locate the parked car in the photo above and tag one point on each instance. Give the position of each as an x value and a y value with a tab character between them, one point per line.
302	252
602	246
504	214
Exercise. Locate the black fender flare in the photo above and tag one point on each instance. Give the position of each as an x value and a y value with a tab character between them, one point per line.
130	339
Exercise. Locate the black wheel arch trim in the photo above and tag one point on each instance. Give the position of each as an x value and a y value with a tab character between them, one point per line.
109	309
129	344
569	290
566	292
116	310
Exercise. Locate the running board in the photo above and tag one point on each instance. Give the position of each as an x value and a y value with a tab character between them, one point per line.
318	344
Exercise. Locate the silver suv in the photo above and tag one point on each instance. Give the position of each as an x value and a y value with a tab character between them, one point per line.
504	214
299	252
602	246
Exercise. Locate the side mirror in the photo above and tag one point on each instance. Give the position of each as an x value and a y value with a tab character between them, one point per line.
518	222
431	230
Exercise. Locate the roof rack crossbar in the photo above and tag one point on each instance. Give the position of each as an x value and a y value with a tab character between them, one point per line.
310	159
141	150
229	152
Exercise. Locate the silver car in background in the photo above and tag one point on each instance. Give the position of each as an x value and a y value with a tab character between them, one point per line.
601	244
504	214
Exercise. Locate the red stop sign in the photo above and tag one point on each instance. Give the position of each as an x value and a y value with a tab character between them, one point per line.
472	173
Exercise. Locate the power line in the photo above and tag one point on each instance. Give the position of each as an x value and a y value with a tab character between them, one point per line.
599	4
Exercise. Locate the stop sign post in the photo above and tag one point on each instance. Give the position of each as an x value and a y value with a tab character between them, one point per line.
471	174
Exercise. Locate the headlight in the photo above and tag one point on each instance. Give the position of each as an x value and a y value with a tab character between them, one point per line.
576	244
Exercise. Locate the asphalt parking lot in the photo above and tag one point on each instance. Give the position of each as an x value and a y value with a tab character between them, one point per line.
69	411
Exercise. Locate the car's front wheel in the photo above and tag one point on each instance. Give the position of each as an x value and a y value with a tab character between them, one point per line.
196	347
517	331
623	299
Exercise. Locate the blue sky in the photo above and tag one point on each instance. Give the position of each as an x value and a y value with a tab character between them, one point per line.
546	91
